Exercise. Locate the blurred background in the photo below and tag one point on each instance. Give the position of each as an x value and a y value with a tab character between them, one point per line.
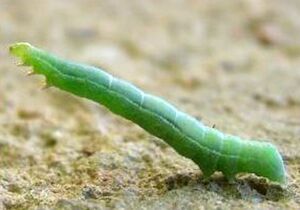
232	64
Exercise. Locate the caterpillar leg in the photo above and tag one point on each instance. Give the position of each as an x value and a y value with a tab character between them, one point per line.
230	177
207	173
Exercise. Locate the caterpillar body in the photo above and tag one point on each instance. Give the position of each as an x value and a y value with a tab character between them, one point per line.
209	148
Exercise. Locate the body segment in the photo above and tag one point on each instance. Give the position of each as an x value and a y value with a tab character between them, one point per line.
207	147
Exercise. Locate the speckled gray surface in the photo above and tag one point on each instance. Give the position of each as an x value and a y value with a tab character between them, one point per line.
233	64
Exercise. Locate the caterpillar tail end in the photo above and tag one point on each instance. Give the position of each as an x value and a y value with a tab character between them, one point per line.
275	162
267	163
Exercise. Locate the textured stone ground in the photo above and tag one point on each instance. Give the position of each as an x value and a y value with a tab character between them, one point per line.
233	64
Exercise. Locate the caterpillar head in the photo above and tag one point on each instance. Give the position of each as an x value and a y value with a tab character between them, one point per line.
20	50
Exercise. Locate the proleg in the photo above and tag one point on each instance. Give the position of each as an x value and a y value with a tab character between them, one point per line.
209	148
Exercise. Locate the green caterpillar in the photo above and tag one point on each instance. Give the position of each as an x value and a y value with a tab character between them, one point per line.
209	148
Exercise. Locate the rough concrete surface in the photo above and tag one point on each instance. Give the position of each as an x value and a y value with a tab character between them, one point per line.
233	64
